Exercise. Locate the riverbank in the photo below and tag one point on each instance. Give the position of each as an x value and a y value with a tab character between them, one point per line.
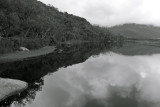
20	55
9	87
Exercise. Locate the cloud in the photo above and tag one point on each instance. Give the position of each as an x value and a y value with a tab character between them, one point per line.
112	12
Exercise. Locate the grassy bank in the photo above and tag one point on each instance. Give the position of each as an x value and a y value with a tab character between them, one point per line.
12	44
20	55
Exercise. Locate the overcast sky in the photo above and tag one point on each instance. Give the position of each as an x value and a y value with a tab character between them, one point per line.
112	12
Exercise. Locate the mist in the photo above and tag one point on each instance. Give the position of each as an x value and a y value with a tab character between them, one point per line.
112	12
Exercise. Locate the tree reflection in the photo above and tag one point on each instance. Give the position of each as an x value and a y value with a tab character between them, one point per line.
33	70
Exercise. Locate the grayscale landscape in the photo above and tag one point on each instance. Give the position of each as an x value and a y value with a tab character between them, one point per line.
86	53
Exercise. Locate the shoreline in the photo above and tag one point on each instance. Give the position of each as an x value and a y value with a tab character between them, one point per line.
10	87
20	55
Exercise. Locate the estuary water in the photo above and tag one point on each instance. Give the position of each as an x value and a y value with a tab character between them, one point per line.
118	77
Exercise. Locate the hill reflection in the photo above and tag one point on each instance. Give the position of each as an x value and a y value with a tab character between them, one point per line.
33	70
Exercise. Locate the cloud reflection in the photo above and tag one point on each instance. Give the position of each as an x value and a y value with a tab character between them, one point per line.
107	80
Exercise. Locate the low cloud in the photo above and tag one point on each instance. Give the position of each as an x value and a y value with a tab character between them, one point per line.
112	12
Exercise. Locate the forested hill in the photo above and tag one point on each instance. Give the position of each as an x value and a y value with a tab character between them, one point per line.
32	24
137	31
30	18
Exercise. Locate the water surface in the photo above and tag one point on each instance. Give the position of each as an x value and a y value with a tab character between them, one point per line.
91	77
105	80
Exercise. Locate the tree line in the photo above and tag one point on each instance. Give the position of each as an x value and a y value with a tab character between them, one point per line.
32	24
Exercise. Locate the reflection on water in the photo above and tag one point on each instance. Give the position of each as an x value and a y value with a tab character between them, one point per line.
106	80
34	69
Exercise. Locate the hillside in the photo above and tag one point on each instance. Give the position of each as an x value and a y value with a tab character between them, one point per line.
137	31
32	24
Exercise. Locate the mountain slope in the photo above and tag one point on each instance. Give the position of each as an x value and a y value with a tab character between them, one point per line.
137	31
32	24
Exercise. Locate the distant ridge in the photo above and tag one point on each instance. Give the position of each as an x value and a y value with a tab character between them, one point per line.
133	30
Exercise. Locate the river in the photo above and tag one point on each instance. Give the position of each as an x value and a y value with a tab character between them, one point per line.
90	76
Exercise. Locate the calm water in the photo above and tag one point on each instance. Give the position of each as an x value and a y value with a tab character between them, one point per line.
92	77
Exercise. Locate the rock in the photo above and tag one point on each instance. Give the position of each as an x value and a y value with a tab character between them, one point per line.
9	87
60	51
23	49
1	37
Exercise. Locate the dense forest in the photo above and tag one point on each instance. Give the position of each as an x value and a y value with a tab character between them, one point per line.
32	24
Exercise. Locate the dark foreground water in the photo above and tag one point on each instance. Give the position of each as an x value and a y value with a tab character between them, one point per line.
89	76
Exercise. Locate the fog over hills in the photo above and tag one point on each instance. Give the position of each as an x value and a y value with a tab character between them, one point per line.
133	30
111	12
